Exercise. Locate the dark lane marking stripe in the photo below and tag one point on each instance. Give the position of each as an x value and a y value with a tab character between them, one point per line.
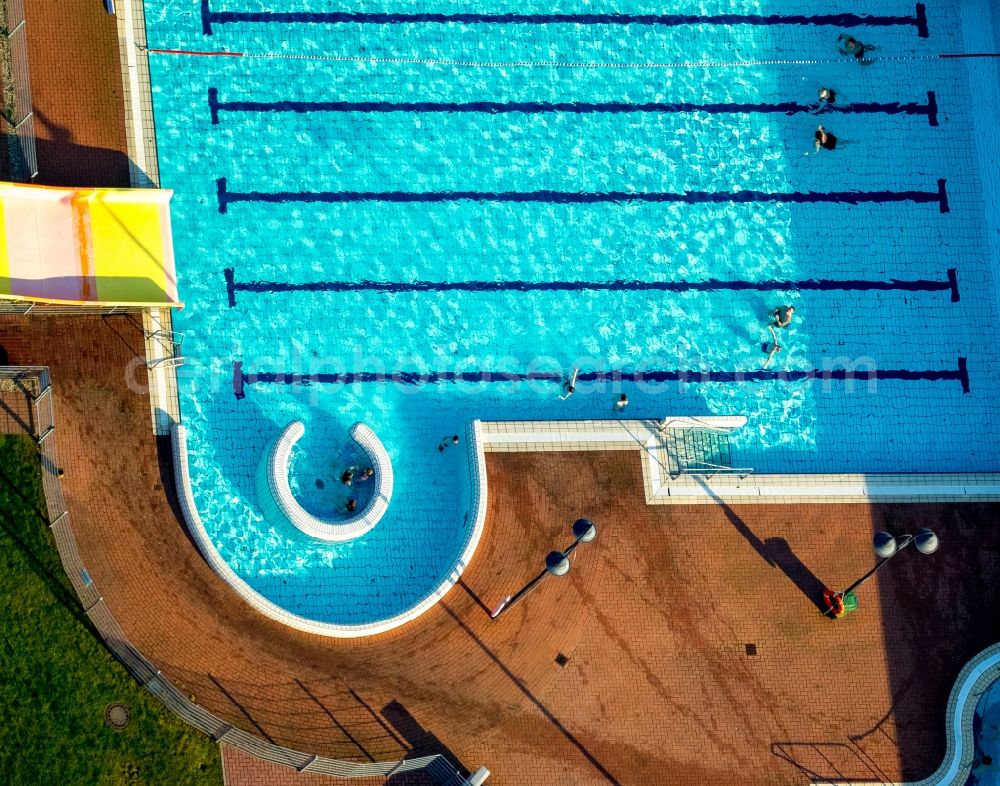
209	18
417	378
227	197
710	285
581	108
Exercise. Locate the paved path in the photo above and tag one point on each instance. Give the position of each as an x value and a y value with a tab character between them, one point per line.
76	89
634	669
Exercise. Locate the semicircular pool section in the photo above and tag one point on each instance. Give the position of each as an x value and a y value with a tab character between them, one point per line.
416	224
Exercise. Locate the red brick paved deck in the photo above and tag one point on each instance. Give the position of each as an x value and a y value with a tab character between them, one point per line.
76	89
654	617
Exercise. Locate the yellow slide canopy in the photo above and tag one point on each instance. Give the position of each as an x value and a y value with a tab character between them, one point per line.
86	246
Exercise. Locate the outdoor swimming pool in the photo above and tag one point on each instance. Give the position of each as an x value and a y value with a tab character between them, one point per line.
374	228
986	723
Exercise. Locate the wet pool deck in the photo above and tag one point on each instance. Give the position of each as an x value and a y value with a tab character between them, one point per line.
654	683
653	621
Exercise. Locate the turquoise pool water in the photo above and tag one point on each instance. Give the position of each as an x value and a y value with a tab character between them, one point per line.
986	724
347	203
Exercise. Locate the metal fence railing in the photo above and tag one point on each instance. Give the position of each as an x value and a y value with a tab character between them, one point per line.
16	307
23	119
31	384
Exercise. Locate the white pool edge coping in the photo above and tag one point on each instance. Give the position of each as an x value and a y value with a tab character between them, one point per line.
269	609
140	133
972	682
277	460
755	488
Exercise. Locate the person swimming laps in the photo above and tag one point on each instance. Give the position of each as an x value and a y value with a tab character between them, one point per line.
827	97
824	139
775	347
849	45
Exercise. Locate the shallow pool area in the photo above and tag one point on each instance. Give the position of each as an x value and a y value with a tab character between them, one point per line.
414	220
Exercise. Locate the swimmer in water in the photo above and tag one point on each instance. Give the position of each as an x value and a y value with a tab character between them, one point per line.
775	347
825	140
849	45
827	97
571	387
783	316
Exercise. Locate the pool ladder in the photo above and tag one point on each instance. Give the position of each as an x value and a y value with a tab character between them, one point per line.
167	338
702	452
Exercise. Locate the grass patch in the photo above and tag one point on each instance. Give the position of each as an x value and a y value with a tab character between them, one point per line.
56	677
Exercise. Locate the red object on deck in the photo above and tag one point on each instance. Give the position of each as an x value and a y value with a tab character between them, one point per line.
834	603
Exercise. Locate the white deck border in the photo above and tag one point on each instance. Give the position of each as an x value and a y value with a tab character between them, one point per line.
276	493
140	134
182	478
756	488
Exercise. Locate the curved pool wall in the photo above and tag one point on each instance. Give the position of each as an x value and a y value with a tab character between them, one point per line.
268	608
277	502
304	352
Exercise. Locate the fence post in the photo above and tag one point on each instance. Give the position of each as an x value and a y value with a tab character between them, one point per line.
24	118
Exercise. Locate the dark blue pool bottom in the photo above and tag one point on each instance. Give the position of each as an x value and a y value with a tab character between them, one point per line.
930	109
710	285
227	197
241	379
209	18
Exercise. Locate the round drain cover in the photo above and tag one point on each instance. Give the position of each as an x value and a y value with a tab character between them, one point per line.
116	715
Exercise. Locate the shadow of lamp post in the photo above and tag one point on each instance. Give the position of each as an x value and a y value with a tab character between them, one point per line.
886	547
556	564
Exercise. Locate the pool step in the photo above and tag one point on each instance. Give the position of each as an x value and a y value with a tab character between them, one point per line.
695	451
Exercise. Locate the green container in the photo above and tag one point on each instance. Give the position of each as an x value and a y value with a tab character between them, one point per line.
850	602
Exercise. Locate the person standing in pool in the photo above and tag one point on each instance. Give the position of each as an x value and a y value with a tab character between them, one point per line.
783	316
827	97
849	45
825	140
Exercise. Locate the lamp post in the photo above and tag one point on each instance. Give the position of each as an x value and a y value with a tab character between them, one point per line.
556	564
886	547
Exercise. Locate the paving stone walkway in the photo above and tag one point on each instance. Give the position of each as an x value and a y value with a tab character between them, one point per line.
684	647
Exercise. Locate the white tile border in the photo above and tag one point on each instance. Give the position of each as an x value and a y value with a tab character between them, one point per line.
972	682
161	377
661	489
140	135
276	498
182	479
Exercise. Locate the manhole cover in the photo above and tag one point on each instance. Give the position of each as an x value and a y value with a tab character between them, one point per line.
116	716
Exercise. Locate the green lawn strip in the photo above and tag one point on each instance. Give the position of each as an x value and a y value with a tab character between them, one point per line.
56	677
